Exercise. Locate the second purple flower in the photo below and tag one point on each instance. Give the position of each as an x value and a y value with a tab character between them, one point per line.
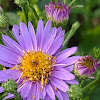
57	13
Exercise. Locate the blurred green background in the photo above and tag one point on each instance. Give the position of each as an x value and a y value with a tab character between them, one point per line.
87	36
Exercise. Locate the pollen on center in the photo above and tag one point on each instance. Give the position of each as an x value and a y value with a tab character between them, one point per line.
36	66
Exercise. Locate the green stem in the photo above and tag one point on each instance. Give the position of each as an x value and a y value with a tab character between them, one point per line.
95	82
3	95
82	82
25	10
77	6
71	3
92	89
5	6
0	2
17	96
65	1
34	11
74	27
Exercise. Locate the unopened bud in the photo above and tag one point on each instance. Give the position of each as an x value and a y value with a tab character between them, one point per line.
10	86
3	21
75	92
57	13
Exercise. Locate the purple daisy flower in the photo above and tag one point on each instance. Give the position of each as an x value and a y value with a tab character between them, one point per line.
85	67
35	62
57	13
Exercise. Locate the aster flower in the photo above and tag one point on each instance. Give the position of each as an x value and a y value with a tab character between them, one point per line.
57	13
35	62
85	67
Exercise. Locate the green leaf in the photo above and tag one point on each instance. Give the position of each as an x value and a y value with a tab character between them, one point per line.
90	39
85	98
2	95
13	18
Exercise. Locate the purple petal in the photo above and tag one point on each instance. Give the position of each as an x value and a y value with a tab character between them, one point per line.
18	36
32	33
83	71
65	96
25	99
69	61
66	53
26	88
69	68
47	98
50	92
43	93
26	36
12	44
92	77
9	96
1	89
46	32
59	49
58	93
61	85
20	88
59	31
8	56
50	40
64	75
9	74
57	43
38	91
32	92
6	64
72	82
39	33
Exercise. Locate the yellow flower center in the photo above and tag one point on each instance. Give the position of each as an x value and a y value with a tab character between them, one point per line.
58	7
88	62
36	66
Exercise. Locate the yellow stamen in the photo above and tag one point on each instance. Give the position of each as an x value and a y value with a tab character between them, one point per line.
42	83
4	68
59	7
13	67
87	62
36	66
46	81
55	88
19	77
33	97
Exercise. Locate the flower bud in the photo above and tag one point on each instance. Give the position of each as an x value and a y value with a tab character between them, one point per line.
85	67
3	21
10	86
57	13
75	92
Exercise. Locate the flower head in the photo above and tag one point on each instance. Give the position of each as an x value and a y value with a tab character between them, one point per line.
35	62
57	13
85	67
